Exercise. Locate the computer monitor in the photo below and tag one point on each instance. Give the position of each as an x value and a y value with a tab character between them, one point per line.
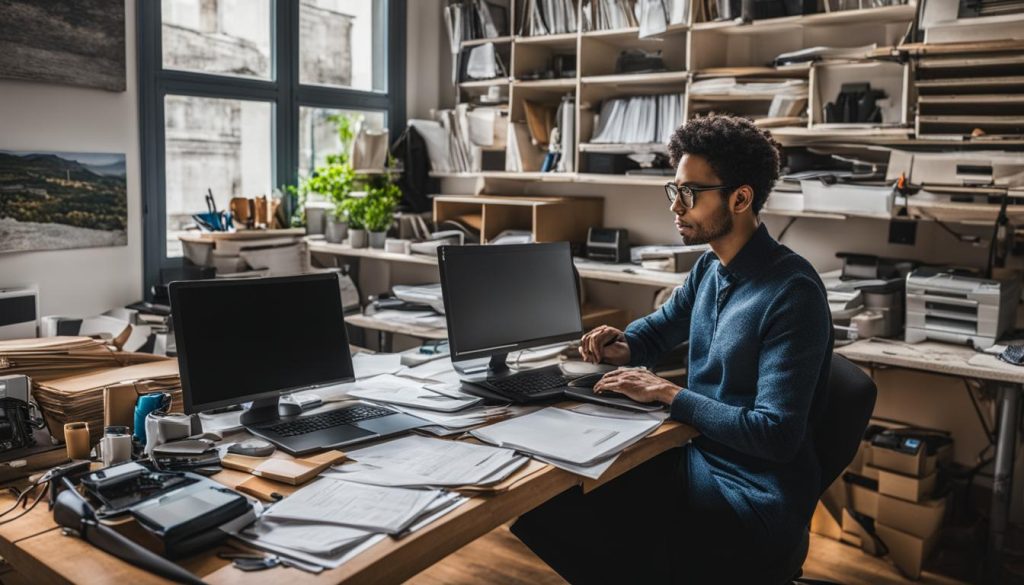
257	339
505	298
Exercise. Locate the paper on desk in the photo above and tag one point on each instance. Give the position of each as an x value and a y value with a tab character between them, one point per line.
611	412
369	365
379	509
392	389
416	461
430	369
564	435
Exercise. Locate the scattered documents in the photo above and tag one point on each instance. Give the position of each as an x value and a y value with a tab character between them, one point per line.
367	365
375	508
585	444
415	461
391	389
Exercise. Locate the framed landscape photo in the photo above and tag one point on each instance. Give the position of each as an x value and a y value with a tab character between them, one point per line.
72	42
62	200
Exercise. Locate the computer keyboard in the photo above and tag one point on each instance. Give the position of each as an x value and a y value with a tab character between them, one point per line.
326	420
529	383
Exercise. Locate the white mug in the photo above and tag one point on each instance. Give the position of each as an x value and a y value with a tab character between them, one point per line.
115	449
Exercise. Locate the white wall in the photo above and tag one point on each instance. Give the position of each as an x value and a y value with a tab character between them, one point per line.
47	117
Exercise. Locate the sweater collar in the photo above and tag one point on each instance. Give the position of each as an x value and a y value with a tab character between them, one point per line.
753	257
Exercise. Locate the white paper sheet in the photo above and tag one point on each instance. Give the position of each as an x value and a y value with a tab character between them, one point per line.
391	389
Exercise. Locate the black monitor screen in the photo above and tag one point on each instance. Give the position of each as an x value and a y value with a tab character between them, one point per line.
507	297
239	340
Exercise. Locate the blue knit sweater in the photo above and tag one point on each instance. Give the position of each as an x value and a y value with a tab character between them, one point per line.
761	339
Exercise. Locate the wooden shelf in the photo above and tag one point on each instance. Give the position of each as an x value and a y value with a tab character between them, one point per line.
730	97
628	274
623	148
564	40
495	40
484	83
549	219
418	331
621	179
636	79
622	273
562	83
884	14
322	247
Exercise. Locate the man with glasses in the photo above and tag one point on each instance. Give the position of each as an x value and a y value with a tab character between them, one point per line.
733	505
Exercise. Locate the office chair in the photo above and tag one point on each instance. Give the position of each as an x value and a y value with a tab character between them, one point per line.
837	436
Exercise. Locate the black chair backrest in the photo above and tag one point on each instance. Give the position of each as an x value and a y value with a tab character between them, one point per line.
848	407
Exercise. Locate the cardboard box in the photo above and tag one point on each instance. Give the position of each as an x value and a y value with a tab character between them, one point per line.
863	500
907	551
906	487
870	471
918	464
823	524
921	520
854	533
861	458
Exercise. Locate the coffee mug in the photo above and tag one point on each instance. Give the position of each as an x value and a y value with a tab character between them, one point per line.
76	438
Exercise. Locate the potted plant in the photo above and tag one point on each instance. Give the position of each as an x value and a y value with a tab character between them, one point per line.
356	208
382	197
332	181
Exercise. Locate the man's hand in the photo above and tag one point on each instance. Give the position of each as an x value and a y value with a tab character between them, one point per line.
604	343
638	384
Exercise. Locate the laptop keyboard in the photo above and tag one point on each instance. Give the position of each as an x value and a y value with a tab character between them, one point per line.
329	419
529	383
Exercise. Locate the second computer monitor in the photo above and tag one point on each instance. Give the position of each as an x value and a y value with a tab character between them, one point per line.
506	298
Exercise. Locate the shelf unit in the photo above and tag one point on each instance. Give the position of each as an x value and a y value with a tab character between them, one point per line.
698	50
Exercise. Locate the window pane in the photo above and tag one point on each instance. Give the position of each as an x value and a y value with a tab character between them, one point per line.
219	144
336	43
318	135
228	37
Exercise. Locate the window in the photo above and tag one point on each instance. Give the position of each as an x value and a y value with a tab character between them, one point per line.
236	98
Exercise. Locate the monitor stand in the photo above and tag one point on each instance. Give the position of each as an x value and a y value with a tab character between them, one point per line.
268	410
482	369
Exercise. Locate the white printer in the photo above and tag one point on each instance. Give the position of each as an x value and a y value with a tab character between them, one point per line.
959	309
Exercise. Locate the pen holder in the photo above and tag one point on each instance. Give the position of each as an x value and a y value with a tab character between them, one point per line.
76	439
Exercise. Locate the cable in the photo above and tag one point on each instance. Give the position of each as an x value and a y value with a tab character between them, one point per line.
35	503
1001	220
782	233
989	433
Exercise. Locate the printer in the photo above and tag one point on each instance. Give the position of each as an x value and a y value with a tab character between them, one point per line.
948	307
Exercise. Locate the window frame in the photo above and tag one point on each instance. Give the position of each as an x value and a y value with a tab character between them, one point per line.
284	92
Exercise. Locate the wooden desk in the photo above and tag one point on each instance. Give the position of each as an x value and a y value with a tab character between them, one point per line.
953	360
42	554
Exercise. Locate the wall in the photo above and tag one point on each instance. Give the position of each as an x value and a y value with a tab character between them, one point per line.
35	116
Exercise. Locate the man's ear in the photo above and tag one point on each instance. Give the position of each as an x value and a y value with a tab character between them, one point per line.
742	199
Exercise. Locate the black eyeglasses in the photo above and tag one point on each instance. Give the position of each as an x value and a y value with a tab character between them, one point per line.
688	194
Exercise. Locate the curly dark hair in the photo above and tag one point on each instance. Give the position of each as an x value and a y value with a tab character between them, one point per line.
739	152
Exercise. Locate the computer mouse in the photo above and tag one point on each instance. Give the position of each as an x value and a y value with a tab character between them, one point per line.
252	448
586	381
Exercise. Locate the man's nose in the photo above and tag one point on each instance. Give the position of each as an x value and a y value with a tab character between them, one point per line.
677	206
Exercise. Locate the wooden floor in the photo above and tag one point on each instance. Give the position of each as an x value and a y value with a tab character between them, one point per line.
499	558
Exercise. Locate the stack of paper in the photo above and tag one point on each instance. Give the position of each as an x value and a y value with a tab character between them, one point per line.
639	120
48	358
379	509
425	462
583	443
730	86
446	424
80	398
330	521
390	389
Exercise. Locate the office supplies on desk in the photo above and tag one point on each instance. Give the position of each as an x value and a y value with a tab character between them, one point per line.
608	244
76	437
16	425
959	309
389	389
586	444
416	462
218	367
292	471
375	508
116	445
